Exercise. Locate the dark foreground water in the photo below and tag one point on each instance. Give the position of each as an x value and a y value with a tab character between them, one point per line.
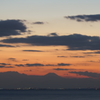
50	95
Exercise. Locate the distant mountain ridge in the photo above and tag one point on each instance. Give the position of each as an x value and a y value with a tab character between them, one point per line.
51	75
51	80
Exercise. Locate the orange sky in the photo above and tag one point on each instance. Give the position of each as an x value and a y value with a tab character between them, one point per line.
50	55
54	36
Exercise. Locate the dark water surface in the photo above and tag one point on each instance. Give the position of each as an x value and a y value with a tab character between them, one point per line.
49	94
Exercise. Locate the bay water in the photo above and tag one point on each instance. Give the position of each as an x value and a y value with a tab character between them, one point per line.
49	94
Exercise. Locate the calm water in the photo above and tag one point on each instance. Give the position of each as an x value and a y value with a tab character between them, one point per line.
50	95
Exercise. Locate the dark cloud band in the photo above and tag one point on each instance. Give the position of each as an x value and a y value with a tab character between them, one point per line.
39	64
73	42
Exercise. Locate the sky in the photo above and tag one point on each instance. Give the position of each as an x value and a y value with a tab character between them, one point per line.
45	39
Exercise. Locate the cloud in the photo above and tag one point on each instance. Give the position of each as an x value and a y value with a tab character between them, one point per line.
61	69
87	18
40	23
25	60
62	56
9	67
53	34
91	61
73	42
39	64
63	64
97	52
28	70
12	59
12	27
4	64
77	56
2	45
31	65
50	65
36	64
89	74
32	50
19	65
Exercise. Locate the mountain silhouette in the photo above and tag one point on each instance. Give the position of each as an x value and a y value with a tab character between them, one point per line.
52	75
52	80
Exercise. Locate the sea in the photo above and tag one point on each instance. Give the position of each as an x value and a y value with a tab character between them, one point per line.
49	94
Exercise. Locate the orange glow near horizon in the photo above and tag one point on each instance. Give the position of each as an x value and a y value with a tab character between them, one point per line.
51	55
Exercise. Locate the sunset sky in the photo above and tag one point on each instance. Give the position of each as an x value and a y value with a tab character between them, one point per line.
38	37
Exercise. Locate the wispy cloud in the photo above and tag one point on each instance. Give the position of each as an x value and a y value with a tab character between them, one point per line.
9	67
4	64
89	74
38	22
61	69
41	65
86	18
62	56
97	52
12	59
35	64
2	45
63	64
19	65
53	34
78	56
32	50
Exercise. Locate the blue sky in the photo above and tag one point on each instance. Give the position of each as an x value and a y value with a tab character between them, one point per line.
52	12
42	9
